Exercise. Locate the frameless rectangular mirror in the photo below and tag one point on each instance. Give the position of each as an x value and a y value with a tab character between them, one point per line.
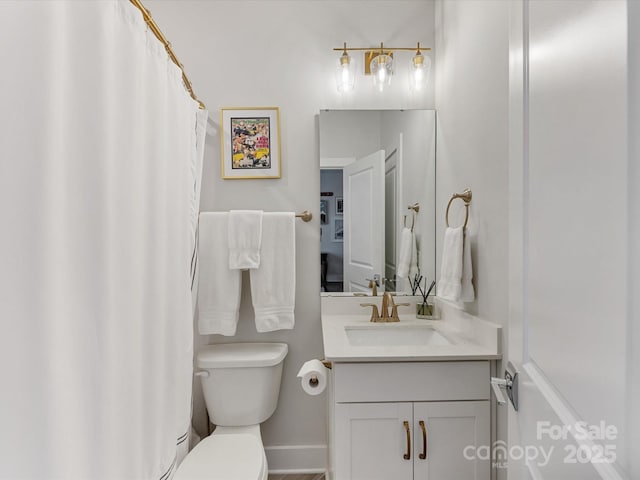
374	166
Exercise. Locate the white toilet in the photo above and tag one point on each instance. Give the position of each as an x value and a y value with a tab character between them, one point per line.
241	384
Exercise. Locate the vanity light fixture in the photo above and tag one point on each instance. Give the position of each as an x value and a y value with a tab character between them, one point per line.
345	72
419	72
381	66
379	63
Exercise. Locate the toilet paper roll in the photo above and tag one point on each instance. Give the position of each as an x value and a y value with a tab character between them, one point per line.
314	377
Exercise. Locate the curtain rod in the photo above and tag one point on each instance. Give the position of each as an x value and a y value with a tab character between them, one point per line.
146	14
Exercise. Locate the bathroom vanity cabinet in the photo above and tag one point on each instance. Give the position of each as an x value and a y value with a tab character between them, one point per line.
410	420
389	380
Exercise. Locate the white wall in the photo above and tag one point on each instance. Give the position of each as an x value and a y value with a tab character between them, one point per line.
633	379
349	133
472	144
279	53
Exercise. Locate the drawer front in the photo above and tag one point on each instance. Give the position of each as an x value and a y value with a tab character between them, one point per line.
411	381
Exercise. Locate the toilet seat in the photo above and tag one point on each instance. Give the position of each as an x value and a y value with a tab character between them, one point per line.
225	457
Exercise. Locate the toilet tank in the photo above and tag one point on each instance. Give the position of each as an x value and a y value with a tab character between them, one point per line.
242	383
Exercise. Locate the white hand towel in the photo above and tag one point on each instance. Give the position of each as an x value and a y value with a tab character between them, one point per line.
467	293
219	286
273	284
413	265
406	253
245	236
450	284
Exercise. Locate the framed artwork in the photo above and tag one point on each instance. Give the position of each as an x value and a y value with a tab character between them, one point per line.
250	142
324	211
339	206
338	230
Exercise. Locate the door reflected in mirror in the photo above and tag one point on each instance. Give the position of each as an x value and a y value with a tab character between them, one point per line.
375	165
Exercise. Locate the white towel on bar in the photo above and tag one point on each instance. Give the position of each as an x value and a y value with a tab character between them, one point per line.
450	284
456	271
406	253
467	293
219	286
245	236
273	284
413	265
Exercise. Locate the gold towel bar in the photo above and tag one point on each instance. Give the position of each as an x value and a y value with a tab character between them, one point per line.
464	196
416	208
306	216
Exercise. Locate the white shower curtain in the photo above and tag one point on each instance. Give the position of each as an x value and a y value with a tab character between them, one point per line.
100	159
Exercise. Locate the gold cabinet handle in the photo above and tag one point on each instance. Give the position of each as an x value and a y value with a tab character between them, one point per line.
423	455
407	456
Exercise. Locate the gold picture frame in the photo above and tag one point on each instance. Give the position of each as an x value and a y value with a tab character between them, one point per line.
250	143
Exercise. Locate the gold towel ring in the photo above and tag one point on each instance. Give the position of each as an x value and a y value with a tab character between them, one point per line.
416	208
466	197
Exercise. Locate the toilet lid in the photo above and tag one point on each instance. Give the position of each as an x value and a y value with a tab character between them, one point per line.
241	355
224	457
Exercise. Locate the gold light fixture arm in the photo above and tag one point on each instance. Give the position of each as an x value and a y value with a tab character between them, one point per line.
379	52
377	49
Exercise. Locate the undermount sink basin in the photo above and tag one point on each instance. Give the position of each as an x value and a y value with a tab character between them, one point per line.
394	334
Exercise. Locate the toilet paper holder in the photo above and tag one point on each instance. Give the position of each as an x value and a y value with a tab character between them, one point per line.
314	380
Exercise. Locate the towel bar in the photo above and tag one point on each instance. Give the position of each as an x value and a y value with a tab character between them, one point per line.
416	208
306	216
464	196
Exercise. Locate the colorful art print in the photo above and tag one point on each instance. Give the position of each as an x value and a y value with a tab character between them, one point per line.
250	142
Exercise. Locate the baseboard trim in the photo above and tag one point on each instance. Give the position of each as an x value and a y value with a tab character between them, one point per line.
283	459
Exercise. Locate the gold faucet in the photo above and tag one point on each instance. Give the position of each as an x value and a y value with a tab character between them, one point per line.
387	302
394	310
373	285
375	315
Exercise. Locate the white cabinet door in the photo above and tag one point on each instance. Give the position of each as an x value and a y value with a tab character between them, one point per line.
453	431
371	441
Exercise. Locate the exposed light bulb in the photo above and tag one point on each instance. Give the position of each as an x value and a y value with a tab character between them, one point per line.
419	72
345	72
381	70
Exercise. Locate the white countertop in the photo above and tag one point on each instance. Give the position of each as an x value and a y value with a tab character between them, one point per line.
471	338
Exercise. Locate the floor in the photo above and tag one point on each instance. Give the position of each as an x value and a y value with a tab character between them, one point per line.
308	476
